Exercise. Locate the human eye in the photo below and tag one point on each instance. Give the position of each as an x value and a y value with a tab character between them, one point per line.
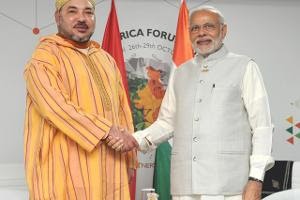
71	11
89	12
209	27
194	28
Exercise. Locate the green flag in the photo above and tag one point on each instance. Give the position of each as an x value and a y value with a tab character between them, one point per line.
161	180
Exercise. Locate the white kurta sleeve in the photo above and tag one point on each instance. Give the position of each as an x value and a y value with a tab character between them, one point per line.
256	102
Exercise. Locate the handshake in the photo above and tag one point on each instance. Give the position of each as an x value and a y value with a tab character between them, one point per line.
120	140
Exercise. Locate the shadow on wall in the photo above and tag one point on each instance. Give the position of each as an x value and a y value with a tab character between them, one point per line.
12	182
13	194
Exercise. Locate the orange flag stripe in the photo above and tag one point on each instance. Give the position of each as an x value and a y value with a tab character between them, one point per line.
182	47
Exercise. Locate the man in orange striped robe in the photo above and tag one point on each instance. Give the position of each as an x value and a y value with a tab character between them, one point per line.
75	99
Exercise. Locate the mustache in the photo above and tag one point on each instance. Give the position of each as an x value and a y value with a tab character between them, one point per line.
81	25
198	38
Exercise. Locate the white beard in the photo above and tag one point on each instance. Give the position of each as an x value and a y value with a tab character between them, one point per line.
216	44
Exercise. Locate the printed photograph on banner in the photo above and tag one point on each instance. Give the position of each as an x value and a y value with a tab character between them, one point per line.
147	53
147	78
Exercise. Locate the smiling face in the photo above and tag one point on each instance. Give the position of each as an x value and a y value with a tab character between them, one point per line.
206	32
76	20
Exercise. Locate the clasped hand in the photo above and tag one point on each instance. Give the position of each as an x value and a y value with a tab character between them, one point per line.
120	140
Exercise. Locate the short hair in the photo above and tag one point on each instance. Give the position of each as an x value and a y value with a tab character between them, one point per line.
210	9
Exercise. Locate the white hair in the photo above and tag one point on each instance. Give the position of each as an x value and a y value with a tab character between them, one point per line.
210	9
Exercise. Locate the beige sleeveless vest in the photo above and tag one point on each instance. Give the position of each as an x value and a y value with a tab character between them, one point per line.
212	138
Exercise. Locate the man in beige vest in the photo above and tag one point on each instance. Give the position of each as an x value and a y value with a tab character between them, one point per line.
217	112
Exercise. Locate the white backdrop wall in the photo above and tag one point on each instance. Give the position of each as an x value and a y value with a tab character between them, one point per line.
267	30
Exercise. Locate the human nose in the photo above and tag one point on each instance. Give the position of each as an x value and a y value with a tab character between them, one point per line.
201	31
81	16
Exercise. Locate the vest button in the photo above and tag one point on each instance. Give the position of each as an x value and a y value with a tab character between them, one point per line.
194	158
195	139
199	100
201	81
196	119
